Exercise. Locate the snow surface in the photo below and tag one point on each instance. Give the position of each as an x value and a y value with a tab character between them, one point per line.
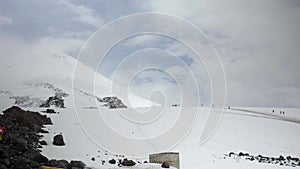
83	122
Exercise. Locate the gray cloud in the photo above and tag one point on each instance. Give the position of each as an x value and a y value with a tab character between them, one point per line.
258	44
258	41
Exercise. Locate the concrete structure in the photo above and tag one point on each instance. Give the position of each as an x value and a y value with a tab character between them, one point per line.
171	157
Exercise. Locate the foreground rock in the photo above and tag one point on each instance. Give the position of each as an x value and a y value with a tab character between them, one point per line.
19	147
165	164
58	140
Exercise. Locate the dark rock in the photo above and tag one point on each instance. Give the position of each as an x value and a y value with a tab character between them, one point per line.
93	158
241	154
281	158
127	162
2	166
112	161
20	144
43	131
165	164
3	154
56	101
113	102
58	140
53	163
43	143
6	162
78	164
50	111
231	154
40	158
63	163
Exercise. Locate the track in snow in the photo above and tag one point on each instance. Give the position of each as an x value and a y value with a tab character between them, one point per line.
273	116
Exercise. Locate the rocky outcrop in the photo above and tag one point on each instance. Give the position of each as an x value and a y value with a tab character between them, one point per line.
56	101
19	147
281	160
112	102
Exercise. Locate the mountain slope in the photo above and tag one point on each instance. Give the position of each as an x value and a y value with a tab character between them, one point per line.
32	74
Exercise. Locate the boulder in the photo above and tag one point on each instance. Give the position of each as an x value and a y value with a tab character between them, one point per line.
112	161
165	164
53	163
77	164
63	163
58	140
127	162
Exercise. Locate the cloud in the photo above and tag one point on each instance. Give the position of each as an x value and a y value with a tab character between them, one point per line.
70	46
4	20
257	42
86	14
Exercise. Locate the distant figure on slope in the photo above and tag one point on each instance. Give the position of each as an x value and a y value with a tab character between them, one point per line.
2	132
273	111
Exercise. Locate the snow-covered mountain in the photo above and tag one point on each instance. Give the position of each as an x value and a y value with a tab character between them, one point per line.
92	131
39	75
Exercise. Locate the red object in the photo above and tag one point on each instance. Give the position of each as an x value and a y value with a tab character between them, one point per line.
2	130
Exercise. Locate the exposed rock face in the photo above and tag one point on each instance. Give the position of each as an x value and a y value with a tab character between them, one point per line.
113	102
58	140
19	147
32	101
56	101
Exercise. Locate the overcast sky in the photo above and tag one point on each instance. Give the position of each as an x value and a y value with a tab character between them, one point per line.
258	42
